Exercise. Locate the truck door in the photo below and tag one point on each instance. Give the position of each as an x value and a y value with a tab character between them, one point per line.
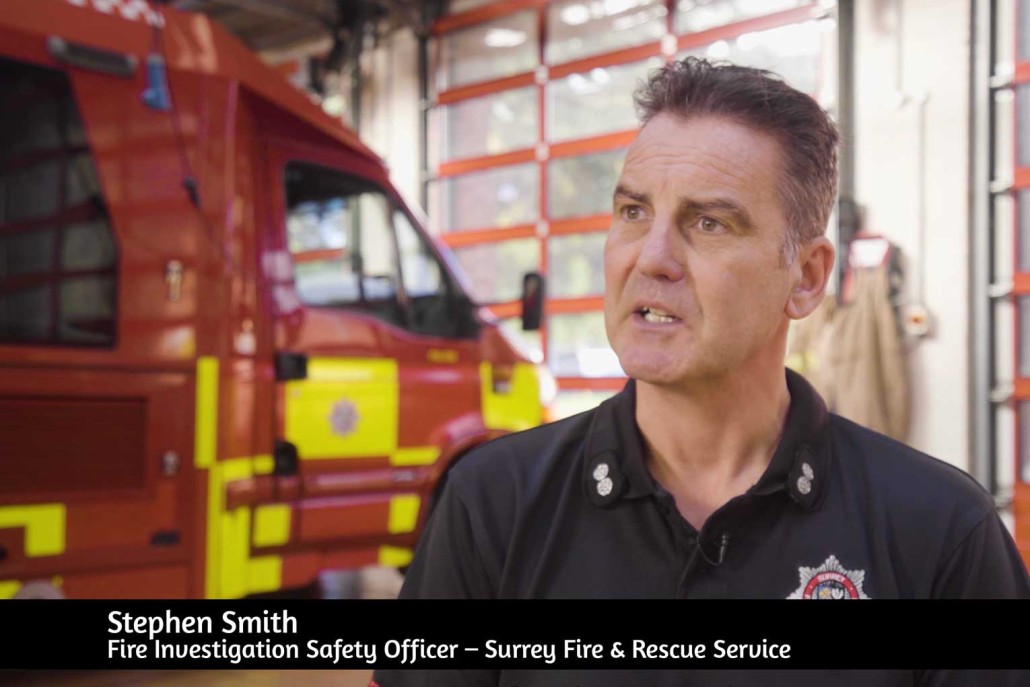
376	360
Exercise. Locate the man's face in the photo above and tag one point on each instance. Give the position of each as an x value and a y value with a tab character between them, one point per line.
695	281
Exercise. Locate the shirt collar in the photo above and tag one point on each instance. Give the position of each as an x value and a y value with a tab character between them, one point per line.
615	467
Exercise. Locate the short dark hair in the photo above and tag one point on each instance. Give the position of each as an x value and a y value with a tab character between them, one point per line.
759	99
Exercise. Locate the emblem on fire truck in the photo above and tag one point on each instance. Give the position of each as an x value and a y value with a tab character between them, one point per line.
830	581
344	418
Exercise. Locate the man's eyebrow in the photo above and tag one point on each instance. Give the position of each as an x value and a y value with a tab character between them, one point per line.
621	190
722	205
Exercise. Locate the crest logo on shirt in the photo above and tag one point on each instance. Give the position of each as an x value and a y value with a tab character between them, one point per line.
829	581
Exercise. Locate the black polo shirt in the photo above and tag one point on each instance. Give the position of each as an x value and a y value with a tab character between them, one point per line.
570	510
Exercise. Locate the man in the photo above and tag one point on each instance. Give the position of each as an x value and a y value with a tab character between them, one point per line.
715	473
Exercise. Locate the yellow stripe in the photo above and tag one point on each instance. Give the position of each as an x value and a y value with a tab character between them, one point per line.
442	356
264	465
236	468
264	574
233	582
229	571
235	532
513	410
8	588
271	524
205	442
403	513
213	549
349	370
394	556
44	525
415	455
346	408
206	412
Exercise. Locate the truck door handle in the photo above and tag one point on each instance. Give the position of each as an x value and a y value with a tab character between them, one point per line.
165	538
285	458
290	366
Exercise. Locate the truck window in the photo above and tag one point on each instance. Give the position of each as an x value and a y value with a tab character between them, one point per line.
341	232
340	236
432	309
422	273
58	257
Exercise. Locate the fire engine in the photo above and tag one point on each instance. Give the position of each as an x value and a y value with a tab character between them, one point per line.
231	357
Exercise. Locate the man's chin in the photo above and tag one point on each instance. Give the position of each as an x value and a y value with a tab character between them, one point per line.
656	372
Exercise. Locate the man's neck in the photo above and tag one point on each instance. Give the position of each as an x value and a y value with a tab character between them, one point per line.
710	441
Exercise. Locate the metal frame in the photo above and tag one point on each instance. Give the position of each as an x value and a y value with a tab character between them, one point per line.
988	287
987	184
982	382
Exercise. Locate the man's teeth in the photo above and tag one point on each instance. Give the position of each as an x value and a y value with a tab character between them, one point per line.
657	316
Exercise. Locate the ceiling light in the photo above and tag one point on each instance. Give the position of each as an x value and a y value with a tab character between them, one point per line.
504	38
574	15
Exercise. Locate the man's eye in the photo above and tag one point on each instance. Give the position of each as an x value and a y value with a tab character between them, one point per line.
633	212
709	225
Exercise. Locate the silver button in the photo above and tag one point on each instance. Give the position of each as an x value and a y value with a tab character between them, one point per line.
804	485
604	486
601	471
807	469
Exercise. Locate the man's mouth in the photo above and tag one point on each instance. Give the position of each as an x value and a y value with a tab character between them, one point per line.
656	316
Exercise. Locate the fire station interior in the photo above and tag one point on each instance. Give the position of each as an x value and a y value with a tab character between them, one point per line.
502	126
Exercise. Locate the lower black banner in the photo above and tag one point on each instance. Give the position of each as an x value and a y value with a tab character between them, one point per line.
505	635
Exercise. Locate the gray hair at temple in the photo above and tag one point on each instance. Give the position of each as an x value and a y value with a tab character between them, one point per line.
759	99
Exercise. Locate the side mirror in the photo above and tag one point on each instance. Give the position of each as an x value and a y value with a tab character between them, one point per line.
532	301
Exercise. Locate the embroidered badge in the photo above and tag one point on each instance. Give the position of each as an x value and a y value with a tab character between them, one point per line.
830	581
604	482
805	481
344	418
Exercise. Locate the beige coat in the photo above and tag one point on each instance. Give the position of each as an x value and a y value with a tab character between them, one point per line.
853	355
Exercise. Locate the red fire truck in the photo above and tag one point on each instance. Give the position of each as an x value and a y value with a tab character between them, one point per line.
230	356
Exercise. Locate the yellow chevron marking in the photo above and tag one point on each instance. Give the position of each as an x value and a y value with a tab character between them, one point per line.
44	525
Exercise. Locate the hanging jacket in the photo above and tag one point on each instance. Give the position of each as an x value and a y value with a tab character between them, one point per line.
853	355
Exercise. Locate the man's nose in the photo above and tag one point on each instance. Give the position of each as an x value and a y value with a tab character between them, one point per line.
661	254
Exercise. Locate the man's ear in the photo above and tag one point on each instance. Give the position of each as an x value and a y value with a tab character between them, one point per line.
811	271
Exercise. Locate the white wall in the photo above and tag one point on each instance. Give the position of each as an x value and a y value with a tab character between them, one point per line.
934	54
